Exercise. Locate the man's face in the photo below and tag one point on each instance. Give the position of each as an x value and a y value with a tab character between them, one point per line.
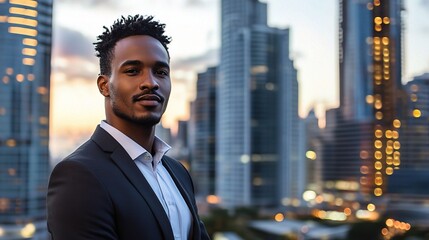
139	86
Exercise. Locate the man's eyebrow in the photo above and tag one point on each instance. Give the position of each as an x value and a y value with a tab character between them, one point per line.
131	63
162	64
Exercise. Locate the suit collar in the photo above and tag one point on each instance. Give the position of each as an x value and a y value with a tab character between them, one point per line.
121	158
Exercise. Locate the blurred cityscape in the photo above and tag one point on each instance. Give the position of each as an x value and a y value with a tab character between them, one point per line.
260	171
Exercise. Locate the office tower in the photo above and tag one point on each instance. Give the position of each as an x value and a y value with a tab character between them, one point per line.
203	139
25	47
313	145
365	149
257	110
410	183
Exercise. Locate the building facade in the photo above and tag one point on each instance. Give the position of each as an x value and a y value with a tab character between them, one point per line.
25	46
363	148
257	109
203	136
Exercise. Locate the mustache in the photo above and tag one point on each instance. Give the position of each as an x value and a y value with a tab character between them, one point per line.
136	97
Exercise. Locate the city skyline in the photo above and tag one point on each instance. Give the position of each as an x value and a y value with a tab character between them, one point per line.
77	107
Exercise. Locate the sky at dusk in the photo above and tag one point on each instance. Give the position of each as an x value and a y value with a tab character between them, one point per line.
194	25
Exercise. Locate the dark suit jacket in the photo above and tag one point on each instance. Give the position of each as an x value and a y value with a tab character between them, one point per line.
99	193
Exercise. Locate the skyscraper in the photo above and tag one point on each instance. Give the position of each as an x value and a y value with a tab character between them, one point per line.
25	47
203	140
365	148
257	109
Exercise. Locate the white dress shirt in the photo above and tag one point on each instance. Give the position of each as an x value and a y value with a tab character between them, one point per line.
159	179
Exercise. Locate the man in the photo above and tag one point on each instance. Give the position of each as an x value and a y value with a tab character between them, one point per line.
119	184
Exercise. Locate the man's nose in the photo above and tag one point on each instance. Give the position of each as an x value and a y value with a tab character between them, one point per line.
149	81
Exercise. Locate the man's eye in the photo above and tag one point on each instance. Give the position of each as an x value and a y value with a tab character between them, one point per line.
162	72
131	72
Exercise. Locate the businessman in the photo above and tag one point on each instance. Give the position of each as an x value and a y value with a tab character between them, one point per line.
119	184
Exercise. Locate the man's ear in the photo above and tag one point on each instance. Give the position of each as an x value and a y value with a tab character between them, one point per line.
103	85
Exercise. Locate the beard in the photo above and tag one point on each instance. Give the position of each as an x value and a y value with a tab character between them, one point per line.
150	120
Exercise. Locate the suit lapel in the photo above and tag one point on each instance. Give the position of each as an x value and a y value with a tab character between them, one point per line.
195	222
134	176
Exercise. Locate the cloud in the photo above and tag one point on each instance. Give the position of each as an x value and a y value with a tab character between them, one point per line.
199	63
93	3
71	43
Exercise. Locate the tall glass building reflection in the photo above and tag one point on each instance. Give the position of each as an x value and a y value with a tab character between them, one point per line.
25	47
257	110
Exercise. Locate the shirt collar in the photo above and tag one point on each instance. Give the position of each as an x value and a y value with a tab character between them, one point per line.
133	149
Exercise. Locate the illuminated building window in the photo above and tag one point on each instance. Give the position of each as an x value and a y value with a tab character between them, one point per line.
42	90
377	20
3	18
385	40
396	145
386	20
28	61
364	170
43	120
27	3
378	155
377	192
11	143
378	104
22	21
378	28
6	79
23	11
2	111
20	77
23	31
369	99
414	88
389	170
417	113
378	181
378	144
378	165
389	150
29	51
370	6
396	123
30	77
371	207
376	3
395	134
29	42
11	171
378	133
388	133
389	160
363	154
379	115
9	71
413	97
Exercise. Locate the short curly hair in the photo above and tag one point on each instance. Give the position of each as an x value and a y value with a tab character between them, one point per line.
125	27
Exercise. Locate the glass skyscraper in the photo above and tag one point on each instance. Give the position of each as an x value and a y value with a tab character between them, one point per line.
257	110
25	57
363	148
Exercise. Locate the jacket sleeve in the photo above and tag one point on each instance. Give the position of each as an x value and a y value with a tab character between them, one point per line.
78	205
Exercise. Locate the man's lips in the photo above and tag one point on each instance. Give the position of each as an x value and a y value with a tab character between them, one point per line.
148	99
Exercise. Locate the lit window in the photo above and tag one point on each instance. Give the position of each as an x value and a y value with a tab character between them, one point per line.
385	40
378	144
9	71
377	20
27	3
23	31
378	133
11	143
29	51
377	192
28	61
43	120
414	88
3	18
42	90
389	171
369	99
30	77
396	123
6	79
23	11
417	113
396	145
22	21
413	97
386	20
29	42
379	115
389	160
378	155
377	28
371	207
378	165
20	77
388	133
